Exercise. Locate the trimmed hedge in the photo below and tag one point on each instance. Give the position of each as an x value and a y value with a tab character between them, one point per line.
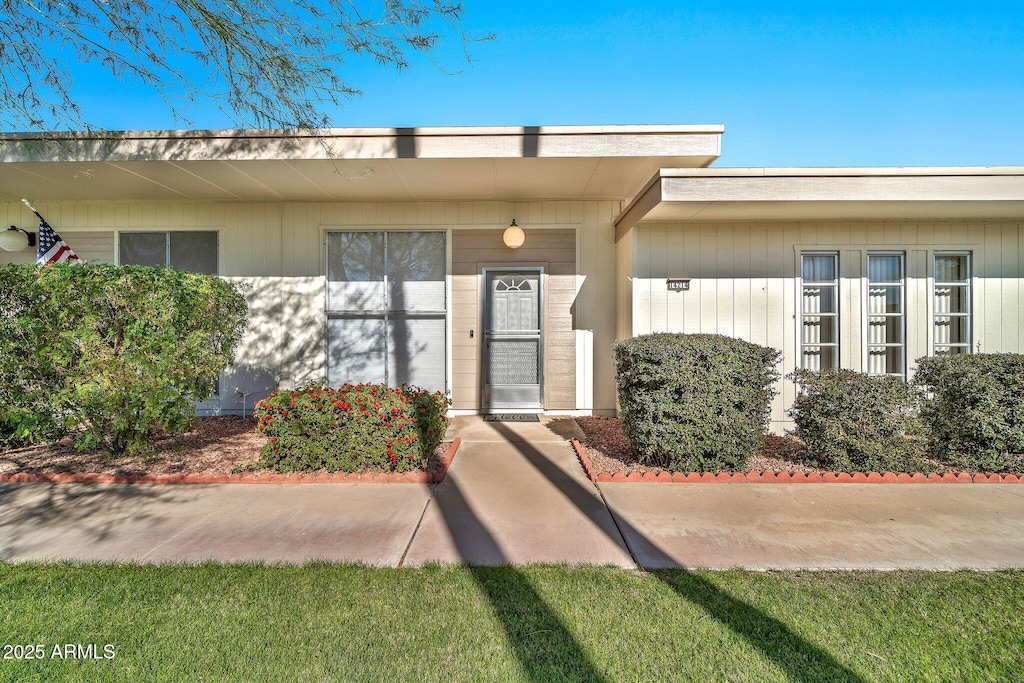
695	402
976	413
852	422
113	354
351	428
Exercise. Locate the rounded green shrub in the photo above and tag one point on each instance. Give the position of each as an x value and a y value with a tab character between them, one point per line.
112	354
695	402
852	422
975	413
352	428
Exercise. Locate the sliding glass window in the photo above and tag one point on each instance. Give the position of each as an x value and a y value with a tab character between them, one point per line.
386	307
952	303
886	324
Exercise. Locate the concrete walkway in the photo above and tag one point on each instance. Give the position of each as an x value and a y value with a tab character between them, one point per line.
516	494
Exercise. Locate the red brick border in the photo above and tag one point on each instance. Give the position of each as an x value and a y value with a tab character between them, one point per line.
793	477
294	478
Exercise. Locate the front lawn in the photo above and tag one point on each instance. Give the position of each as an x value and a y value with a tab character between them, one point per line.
333	622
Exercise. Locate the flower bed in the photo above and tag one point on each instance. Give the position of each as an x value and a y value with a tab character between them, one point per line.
217	450
354	428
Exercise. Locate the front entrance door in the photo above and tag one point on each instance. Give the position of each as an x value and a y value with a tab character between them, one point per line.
512	340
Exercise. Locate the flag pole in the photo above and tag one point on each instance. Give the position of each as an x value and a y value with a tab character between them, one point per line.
31	208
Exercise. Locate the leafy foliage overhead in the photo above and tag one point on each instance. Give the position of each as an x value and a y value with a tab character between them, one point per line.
266	64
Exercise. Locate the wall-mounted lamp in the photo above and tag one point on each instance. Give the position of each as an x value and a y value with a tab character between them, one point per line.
16	239
513	236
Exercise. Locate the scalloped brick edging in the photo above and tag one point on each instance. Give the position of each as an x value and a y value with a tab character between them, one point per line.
793	477
294	478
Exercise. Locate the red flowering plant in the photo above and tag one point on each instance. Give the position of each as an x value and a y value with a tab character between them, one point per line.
351	428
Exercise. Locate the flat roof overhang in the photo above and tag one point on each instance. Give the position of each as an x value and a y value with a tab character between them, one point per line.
681	195
353	164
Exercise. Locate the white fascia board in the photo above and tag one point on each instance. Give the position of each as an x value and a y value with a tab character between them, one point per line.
373	143
682	194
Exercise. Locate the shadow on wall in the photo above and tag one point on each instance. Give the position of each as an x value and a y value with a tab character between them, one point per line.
283	343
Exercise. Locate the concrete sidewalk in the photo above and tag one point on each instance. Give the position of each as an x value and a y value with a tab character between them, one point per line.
516	494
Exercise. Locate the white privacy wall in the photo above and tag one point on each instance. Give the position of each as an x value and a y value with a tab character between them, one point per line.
745	282
277	247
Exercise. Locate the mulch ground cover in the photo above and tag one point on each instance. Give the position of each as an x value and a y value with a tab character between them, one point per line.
220	445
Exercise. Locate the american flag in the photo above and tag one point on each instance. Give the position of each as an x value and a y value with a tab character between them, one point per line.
52	248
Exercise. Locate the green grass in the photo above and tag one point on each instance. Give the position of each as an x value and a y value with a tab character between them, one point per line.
333	622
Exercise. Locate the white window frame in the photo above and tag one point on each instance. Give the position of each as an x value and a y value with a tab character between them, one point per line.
967	285
385	313
902	315
834	284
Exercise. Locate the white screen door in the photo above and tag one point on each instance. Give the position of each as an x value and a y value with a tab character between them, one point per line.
512	339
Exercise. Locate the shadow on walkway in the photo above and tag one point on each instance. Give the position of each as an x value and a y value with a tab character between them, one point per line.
94	512
556	655
545	648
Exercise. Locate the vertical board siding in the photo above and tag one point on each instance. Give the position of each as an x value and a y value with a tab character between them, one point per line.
744	280
473	250
283	240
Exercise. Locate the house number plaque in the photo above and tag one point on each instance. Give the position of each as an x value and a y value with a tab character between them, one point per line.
677	284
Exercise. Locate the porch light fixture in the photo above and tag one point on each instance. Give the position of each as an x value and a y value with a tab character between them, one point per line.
16	239
513	236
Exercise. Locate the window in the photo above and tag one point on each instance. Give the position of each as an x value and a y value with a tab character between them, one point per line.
386	308
952	303
819	312
886	324
191	250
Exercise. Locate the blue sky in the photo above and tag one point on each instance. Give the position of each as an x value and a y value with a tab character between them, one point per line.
795	84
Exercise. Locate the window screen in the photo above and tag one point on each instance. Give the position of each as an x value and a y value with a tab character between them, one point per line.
194	251
143	248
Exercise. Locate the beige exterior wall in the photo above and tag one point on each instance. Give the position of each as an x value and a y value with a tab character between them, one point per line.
745	282
278	247
555	251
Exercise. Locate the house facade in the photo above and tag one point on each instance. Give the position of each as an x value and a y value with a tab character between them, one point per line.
390	255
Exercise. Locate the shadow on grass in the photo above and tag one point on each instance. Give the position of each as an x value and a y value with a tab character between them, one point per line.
544	647
798	658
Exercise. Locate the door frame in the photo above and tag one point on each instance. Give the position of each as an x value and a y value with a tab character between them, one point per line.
485	321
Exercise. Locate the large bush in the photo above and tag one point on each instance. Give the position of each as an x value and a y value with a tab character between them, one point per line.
852	422
976	411
111	353
695	402
351	428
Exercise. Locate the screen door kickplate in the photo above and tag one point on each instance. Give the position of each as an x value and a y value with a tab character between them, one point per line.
511	417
